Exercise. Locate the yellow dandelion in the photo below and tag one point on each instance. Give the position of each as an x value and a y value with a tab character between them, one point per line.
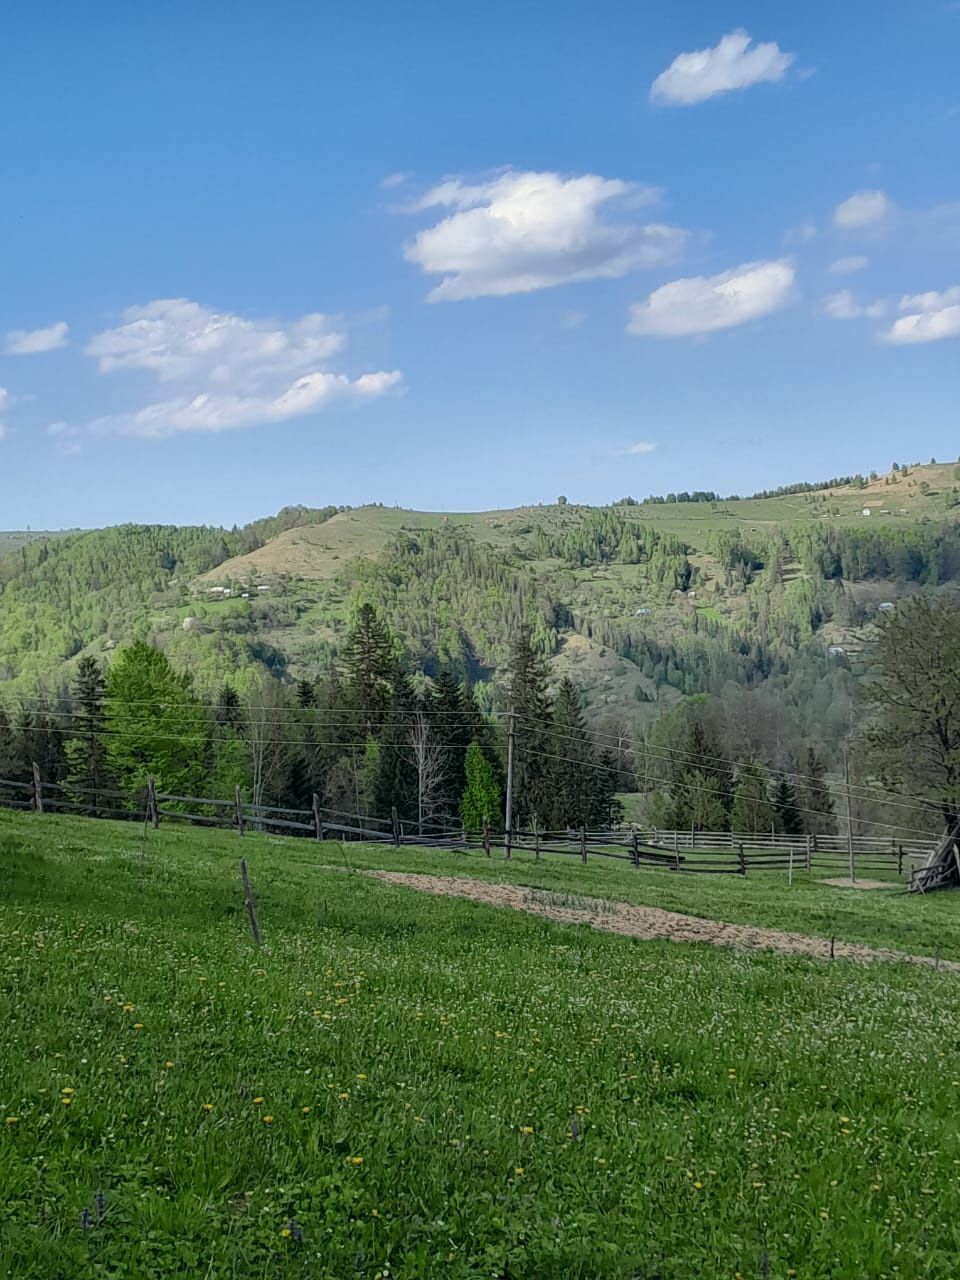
344	1097
267	1119
527	1129
285	1232
138	1026
68	1090
361	1076
168	1065
257	1101
305	1110
698	1185
519	1171
208	1106
374	1214
11	1119
67	1102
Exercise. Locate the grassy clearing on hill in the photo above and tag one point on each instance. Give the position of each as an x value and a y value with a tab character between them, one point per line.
434	1088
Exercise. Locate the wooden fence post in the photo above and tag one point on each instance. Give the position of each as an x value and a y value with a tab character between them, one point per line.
634	849
809	853
741	859
37	789
536	841
583	844
790	872
486	837
238	801
676	853
395	825
899	859
249	903
153	812
317	824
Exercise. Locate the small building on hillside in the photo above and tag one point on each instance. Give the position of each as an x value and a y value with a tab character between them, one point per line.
835	649
865	511
642	612
886	606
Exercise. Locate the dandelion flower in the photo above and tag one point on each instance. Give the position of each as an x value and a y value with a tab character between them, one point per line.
519	1171
698	1185
305	1110
138	1026
11	1119
355	1160
168	1065
208	1106
67	1102
257	1101
285	1232
527	1129
267	1119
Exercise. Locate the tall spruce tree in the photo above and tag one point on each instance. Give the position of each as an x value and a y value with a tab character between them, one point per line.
752	807
571	774
789	821
453	734
88	770
369	659
819	817
530	703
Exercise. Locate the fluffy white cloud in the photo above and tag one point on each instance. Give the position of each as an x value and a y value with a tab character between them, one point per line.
640	448
930	317
844	306
847	266
29	342
526	231
702	304
731	64
862	209
176	339
235	372
213	413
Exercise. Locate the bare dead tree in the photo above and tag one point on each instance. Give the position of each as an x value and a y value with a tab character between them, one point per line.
428	755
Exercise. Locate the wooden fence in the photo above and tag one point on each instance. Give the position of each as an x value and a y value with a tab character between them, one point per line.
691	852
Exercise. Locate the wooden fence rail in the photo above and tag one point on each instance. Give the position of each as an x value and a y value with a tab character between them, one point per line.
683	852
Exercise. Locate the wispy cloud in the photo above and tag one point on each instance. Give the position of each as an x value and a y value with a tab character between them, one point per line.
520	232
862	209
734	63
235	372
844	306
393	180
929	317
847	266
639	449
30	342
704	304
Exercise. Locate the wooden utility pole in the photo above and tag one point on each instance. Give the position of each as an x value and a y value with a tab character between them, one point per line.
37	789
508	823
152	811
846	788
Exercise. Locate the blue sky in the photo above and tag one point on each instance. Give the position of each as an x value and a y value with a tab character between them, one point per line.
457	258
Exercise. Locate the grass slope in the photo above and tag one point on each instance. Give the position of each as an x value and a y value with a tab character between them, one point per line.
418	1087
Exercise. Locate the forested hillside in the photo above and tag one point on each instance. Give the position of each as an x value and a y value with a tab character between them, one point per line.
765	606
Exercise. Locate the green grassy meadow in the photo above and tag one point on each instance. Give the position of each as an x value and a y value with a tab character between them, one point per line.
404	1085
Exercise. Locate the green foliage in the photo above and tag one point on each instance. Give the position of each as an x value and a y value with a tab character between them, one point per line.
154	724
752	808
481	800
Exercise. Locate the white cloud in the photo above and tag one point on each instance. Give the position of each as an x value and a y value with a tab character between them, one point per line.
640	448
844	306
862	209
931	317
731	64
847	266
394	180
29	342
525	231
214	413
703	304
235	372
176	339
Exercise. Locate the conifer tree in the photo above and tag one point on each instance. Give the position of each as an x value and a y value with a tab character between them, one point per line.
530	704
481	800
752	807
819	818
787	813
87	766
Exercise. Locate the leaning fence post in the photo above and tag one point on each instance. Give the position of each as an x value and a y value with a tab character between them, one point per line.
583	844
899	859
37	789
152	811
238	800
790	872
317	824
741	859
809	852
536	841
395	826
486	837
634	848
248	902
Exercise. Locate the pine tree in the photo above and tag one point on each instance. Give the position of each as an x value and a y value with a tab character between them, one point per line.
530	704
453	733
569	769
819	818
370	667
787	813
481	800
752	808
87	766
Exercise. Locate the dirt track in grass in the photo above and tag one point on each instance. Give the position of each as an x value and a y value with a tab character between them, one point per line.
647	922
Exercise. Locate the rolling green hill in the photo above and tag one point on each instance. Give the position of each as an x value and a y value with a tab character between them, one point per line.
642	603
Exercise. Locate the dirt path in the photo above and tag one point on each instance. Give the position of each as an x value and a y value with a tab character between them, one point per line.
646	922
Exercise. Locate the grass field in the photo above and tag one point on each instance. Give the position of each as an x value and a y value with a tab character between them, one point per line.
396	1084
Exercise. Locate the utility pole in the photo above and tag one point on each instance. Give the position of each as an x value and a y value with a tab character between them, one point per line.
508	817
846	787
